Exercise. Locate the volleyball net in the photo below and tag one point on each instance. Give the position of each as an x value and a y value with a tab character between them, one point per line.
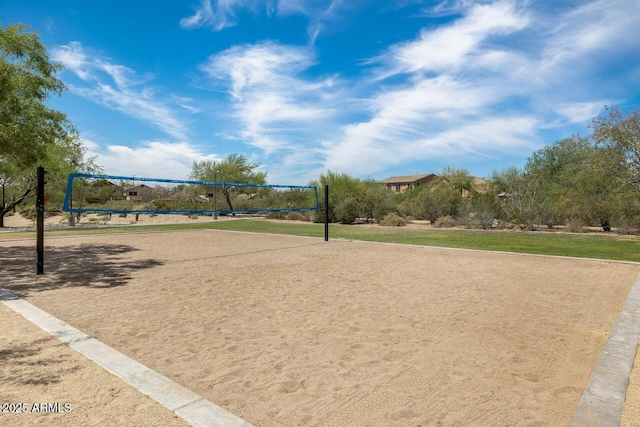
110	194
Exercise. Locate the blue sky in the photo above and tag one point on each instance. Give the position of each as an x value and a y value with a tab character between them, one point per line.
370	88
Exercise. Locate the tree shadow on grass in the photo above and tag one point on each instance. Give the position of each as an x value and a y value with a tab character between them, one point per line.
89	265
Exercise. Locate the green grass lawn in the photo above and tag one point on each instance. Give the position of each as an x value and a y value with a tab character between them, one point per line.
600	246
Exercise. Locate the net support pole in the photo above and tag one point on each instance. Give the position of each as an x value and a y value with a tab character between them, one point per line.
326	212
40	219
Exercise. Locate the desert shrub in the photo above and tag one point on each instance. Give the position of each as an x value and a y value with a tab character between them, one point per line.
445	222
28	212
628	226
276	215
295	216
307	215
574	225
347	211
160	204
393	220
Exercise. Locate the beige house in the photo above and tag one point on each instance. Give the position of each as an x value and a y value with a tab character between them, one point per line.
139	193
480	185
400	184
403	183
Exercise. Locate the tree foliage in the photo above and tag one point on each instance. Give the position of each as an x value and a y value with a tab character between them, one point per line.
351	198
612	129
520	195
31	133
27	80
235	168
581	180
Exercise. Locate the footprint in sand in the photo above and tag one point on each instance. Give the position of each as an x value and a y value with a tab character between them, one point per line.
291	386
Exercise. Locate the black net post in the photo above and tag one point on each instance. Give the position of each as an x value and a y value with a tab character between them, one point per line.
40	218
326	212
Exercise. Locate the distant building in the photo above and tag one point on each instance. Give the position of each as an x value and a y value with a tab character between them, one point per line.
139	193
403	183
480	185
101	191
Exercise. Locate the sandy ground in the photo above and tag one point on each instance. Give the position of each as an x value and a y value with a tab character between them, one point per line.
44	382
287	331
62	220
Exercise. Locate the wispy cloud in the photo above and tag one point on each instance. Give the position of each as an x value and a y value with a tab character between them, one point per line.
450	47
217	14
221	14
119	88
271	100
153	159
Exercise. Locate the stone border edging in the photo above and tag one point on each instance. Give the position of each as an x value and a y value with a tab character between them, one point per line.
602	402
183	402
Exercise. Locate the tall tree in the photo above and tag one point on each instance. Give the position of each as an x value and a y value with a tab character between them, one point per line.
555	167
236	168
580	180
520	195
31	133
439	198
614	129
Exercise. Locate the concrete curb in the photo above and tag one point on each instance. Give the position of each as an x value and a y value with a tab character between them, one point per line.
183	402
603	400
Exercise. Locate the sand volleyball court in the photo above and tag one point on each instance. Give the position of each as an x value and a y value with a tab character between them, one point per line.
287	331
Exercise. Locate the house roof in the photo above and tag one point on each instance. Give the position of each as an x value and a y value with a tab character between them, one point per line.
142	186
406	178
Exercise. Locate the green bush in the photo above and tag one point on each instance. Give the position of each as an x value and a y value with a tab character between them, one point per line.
347	211
160	204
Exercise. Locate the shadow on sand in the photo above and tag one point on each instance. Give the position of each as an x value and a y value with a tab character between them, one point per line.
33	358
89	265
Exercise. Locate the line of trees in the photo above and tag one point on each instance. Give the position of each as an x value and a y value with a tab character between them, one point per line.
579	181
592	180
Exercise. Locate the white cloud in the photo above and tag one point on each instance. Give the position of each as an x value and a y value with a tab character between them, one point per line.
363	152
221	14
73	57
448	48
597	27
269	97
118	87
581	112
217	16
155	159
